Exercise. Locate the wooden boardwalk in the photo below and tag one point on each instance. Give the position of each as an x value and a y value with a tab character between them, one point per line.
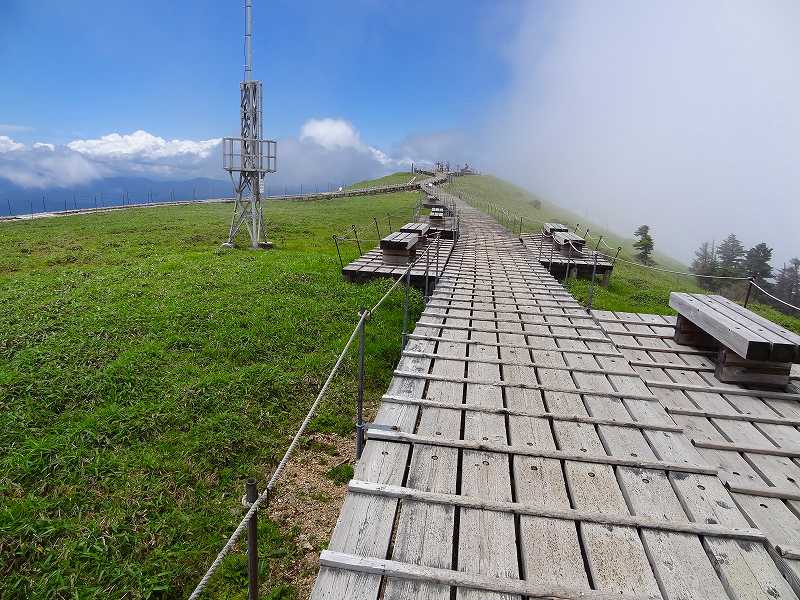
524	454
371	265
541	247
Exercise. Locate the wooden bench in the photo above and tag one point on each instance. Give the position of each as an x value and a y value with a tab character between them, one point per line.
550	228
399	248
431	201
752	349
419	229
568	243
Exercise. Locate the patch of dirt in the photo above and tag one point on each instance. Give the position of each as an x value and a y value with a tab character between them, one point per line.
310	501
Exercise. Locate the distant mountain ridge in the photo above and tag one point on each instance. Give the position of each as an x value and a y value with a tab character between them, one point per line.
15	200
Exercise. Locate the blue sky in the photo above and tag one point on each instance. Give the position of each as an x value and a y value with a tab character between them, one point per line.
82	69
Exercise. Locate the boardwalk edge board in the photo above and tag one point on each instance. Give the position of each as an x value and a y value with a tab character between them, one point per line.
533	414
623	520
460	579
636	463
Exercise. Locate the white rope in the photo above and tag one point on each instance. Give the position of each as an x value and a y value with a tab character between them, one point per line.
774	297
265	494
638	264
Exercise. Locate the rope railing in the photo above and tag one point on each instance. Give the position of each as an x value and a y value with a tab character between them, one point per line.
359	329
765	292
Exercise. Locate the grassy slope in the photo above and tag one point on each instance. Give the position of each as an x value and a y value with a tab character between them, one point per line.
393	179
144	374
633	288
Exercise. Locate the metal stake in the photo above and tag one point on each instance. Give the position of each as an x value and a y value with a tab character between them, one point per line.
252	542
614	262
550	264
427	268
389	219
591	284
749	289
336	241
436	276
377	229
360	405
355	233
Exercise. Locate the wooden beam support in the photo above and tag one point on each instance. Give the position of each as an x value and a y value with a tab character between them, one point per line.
762	490
685	387
460	579
636	463
624	520
434	338
526	386
517	331
431	403
512	363
733	416
733	447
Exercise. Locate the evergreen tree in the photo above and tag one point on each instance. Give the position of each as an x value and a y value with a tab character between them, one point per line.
705	263
787	284
730	255
756	264
644	245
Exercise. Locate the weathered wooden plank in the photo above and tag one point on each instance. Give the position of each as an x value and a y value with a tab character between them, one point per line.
488	586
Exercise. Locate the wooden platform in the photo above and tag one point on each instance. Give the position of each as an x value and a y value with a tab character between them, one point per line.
751	435
371	265
552	258
522	454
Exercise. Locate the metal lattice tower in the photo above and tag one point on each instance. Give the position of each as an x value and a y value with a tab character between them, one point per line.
250	156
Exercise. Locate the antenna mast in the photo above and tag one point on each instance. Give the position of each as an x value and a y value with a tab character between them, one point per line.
249	156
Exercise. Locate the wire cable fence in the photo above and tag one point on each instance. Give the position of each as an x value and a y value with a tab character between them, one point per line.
262	499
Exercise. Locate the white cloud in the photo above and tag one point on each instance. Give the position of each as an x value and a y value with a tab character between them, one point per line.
58	168
331	134
9	145
144	145
326	151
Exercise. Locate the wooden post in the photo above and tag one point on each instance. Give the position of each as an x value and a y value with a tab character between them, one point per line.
336	241
361	375
749	289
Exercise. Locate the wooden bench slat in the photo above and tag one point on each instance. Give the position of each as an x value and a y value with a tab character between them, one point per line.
725	330
789	336
781	350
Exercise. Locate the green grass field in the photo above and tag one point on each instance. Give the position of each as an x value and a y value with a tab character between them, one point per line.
633	288
145	373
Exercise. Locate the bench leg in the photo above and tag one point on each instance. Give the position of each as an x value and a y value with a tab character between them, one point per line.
689	334
732	368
